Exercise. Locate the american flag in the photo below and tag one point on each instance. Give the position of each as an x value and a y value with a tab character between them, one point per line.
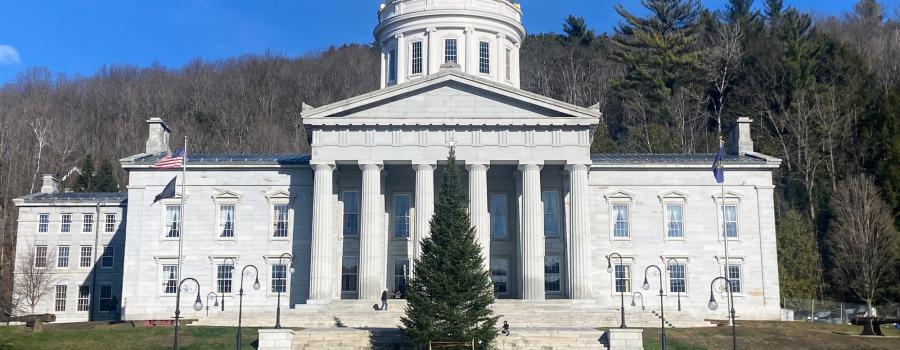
171	160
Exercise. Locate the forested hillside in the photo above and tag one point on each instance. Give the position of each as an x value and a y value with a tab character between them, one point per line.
824	94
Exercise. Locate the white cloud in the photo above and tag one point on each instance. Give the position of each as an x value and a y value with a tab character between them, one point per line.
9	55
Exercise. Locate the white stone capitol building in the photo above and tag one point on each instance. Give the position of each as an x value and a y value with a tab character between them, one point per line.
352	213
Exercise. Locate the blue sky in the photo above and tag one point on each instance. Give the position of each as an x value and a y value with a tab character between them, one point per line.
78	37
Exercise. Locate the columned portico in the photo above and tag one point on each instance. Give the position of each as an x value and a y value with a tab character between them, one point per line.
478	207
531	234
372	240
424	203
578	234
321	276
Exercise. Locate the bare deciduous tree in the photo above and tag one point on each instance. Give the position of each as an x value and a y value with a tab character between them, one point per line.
34	276
862	238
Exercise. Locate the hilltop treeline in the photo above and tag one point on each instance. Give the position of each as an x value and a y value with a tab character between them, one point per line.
824	93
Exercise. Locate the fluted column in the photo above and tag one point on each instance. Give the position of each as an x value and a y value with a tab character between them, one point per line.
372	238
321	281
531	235
478	208
578	234
401	58
424	203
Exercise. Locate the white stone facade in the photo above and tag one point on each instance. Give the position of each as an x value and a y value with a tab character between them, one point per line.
546	211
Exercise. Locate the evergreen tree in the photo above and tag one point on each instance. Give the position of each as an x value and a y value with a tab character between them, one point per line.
450	292
105	179
84	182
576	30
797	257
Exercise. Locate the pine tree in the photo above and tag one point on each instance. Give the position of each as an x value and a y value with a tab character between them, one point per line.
105	179
450	292
797	257
85	180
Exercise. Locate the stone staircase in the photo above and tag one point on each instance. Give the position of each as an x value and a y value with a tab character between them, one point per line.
541	338
519	314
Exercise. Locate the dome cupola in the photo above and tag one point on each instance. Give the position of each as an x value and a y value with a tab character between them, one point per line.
481	37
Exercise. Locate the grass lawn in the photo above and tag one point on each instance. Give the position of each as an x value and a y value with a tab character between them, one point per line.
99	335
773	336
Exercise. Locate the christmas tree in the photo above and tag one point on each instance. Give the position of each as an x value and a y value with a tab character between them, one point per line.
450	292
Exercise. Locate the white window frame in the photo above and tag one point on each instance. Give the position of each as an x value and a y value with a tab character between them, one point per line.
43	223
82	256
397	277
613	220
556	196
346	212
272	279
224	276
177	221
548	260
83	302
412	58
665	209
740	279
496	264
275	220
105	304
60	257
41	260
87	223
65	223
730	199
455	50
355	276
484	57
60	294
508	64
110	227
221	225
669	278
629	276
165	277
494	216
108	258
397	217
737	221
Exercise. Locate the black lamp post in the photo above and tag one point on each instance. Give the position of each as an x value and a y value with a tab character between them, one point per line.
198	304
609	269
677	290
223	291
714	305
214	297
639	295
662	305
244	272
291	270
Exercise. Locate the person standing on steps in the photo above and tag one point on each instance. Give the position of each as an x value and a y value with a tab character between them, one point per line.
384	298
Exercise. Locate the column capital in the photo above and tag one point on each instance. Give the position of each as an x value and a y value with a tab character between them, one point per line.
578	167
399	36
428	165
431	29
478	165
370	165
322	165
469	29
530	165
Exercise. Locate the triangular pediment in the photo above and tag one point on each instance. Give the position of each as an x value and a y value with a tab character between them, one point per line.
450	98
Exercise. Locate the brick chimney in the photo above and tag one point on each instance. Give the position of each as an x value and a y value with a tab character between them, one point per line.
740	142
51	184
158	136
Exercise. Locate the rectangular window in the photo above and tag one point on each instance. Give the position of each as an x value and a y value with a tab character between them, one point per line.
508	65
108	259
731	221
279	278
173	221
500	275
734	275
351	213
497	208
110	223
484	57
551	212
349	273
401	272
62	256
401	215
170	279
280	220
676	278
450	50
60	303
65	223
551	274
416	59
84	298
43	223
224	274
620	215
623	278
87	223
226	221
674	220
392	65
40	256
106	298
87	256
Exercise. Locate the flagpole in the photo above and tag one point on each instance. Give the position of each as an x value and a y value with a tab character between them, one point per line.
183	194
725	224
